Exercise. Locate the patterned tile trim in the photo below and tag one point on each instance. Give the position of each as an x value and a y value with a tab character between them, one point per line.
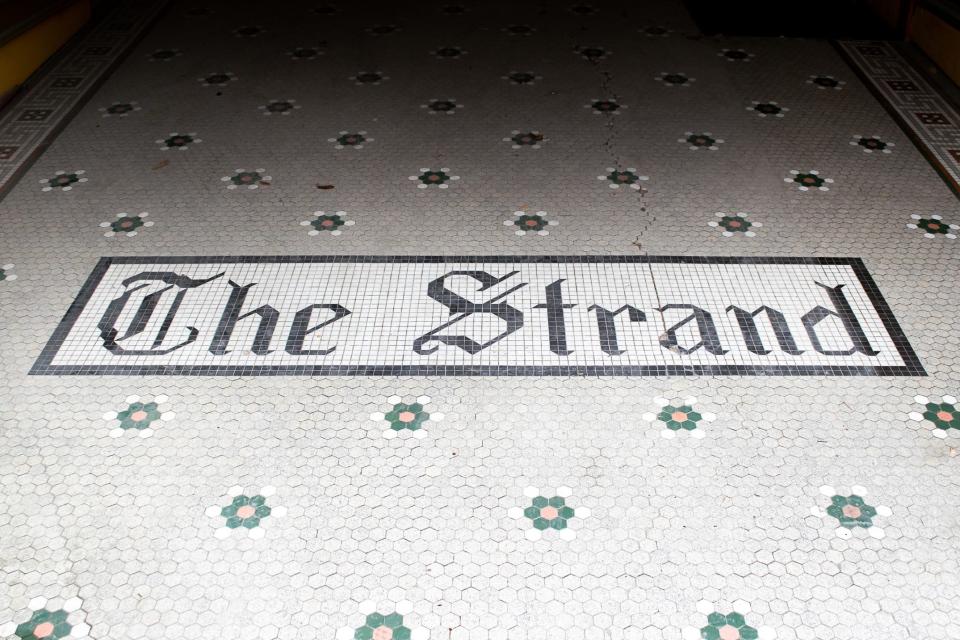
74	348
29	123
925	116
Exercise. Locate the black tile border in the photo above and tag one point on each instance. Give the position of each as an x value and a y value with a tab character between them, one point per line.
912	365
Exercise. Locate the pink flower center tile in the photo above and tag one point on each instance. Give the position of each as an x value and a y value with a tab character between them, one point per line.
729	632
679	416
382	632
549	513
407	416
138	416
946	416
43	629
246	511
851	511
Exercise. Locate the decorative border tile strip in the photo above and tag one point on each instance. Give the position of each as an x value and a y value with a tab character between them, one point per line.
33	119
478	315
926	116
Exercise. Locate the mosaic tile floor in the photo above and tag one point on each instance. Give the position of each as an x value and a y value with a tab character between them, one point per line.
377	504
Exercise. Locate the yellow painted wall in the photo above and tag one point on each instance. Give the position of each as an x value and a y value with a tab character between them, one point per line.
938	40
20	56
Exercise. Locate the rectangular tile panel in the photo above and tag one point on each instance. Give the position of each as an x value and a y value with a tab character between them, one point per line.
481	315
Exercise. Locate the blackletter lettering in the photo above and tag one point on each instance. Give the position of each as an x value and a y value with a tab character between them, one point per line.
299	330
751	336
556	322
457	304
850	323
142	316
607	326
231	315
709	339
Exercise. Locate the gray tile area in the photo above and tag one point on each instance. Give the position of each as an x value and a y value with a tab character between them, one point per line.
269	507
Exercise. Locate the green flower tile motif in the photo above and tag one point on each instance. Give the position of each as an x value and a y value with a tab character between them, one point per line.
600	106
522	77
438	106
331	223
736	55
435	178
826	82
519	139
530	222
944	415
735	223
625	178
851	511
731	626
126	224
675	79
766	109
524	223
353	140
63	180
217	79
369	78
304	53
594	54
327	222
869	144
245	511
809	180
933	226
6	273
681	417
379	626
281	107
248	179
46	625
138	415
179	141
700	141
119	109
407	416
549	513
